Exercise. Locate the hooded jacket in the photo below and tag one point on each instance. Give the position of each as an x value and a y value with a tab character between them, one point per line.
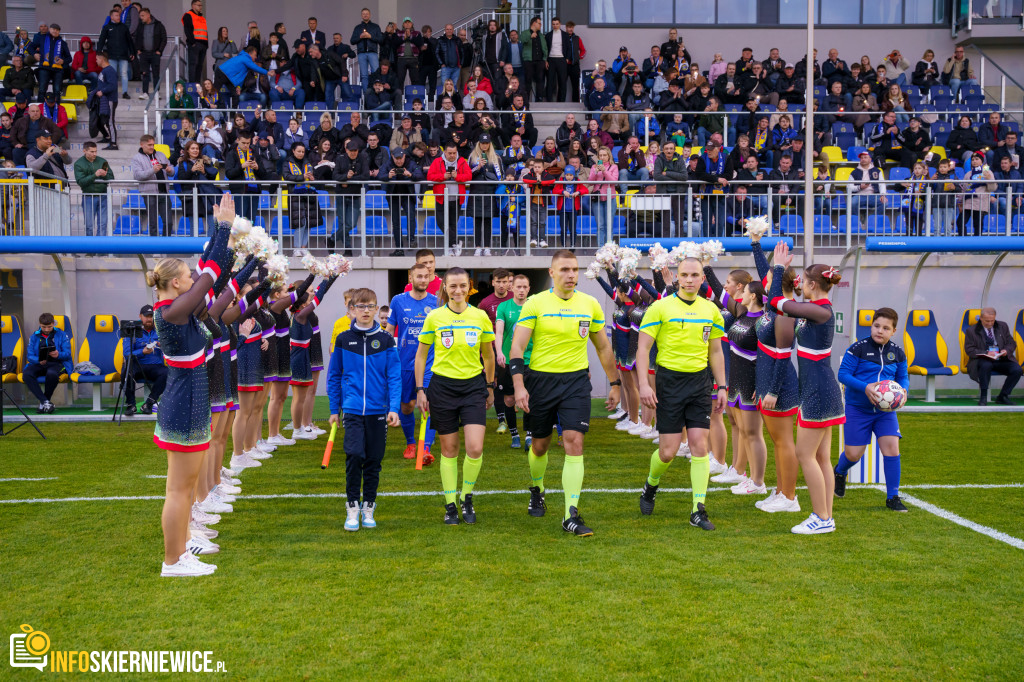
365	374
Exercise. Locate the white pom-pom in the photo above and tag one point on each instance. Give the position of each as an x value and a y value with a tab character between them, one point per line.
337	265
593	270
607	255
692	250
712	249
277	269
629	261
758	226
660	256
241	226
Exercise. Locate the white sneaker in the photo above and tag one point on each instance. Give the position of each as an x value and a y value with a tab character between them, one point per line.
289	427
244	461
352	518
199	546
279	440
617	414
716	466
533	242
542	244
684	450
196	527
303	434
637	429
221	497
657	438
223	488
781	503
730	476
211	506
202	517
748	487
144	96
625	425
487	252
368	510
259	453
186	566
230	473
771	496
478	252
265	445
654	434
317	430
815	525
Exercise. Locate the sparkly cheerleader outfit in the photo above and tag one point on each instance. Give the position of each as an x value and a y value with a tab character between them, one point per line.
775	372
183	422
743	346
250	358
229	357
215	367
316	347
268	357
620	320
302	337
282	326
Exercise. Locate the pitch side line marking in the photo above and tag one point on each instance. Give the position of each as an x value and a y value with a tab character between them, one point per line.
961	521
433	493
48	478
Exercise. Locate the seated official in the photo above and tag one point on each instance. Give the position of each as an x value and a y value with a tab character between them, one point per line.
148	365
49	356
990	348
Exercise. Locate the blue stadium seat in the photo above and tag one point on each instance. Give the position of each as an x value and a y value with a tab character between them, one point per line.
185	227
323	200
465	226
415	92
128	225
430	227
619	226
279	226
853	152
972	93
264	203
968	320
1014	126
899	173
357	92
283	105
942	104
926	350
1018	229
315	106
586	226
791	224
376	226
823	224
854	224
553	227
843	135
192	89
879	224
348	106
133	201
14	345
940	91
940	131
310	125
994	225
864	317
913	90
376	200
104	348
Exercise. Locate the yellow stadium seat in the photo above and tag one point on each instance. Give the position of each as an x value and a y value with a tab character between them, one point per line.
939	151
969	319
71	110
165	150
1018	336
75	94
429	202
835	155
10	328
926	350
843	174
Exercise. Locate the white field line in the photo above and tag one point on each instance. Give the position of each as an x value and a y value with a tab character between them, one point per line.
48	478
961	521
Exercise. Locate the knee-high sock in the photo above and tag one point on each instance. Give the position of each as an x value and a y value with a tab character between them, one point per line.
538	465
658	468
891	467
450	478
470	473
700	471
844	465
510	419
408	426
572	481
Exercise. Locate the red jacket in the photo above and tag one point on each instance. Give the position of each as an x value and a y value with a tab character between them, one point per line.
90	64
577	200
61	116
435	174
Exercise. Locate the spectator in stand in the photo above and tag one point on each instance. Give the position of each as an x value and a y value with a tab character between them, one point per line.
963	142
23	47
746	60
752	83
787	184
449	173
408	45
328	69
84	64
284	88
47	157
789	86
886	140
366	39
152	170
957	72
473	93
19	78
232	73
670	168
992	136
326	129
268	127
673	48
341	53
916	143
652	65
150	40
991	349
200	171
52	55
575	53
594	131
519	121
6	137
568	131
926	73
1001	198
636	102
105	101
388	42
710	169
355	130
801	69
535	54
377	100
303	207
6	48
710	123
615	120
774	64
92	173
1010	150
864	104
241	165
978	183
294	135
834	69
458	133
944	199
311	36
600	97
727	87
466	57
867	190
632	165
449	54
28	127
48	357
558	63
717	68
604	173
223	47
210	138
185	134
116	40
619	65
896	100
401	177
274	54
428	61
253	37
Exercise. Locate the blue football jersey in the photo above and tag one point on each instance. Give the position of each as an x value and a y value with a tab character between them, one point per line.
407	315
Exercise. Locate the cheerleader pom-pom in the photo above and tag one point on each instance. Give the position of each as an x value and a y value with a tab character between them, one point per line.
240	259
310	262
594	270
659	255
240	226
758	227
607	255
277	270
712	249
629	261
692	250
338	266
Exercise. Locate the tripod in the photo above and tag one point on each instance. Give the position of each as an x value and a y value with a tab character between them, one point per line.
129	373
4	394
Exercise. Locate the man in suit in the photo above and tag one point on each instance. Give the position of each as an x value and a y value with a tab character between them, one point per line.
990	348
311	36
558	64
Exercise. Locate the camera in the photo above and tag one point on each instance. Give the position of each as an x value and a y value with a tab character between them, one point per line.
131	329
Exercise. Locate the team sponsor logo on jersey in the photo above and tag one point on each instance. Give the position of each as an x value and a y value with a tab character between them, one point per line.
706	335
584	328
471	337
447	338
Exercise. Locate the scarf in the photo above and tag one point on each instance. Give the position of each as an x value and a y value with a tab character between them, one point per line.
49	44
51	113
714	167
761	139
295	169
519	117
245	158
892	137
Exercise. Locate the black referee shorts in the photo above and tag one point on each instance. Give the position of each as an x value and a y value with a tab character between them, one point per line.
456	402
684	399
562	397
505	385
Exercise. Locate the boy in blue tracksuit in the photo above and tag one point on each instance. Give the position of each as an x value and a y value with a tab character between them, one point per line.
866	363
48	357
364	380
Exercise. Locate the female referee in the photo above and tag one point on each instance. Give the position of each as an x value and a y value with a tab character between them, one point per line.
459	394
821	401
183	425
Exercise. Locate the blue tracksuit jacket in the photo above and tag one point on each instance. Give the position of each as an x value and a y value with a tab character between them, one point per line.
365	374
865	363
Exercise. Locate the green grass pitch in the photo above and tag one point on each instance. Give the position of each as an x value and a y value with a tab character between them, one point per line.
887	596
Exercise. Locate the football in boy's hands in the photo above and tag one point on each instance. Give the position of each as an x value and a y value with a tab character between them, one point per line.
893	396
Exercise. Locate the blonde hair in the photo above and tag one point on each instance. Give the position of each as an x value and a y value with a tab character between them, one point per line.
479	154
602	150
163	272
326	117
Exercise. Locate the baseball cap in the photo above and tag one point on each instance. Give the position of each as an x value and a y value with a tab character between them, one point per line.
398	152
146	311
484	138
790	65
409	19
864	153
21	97
43	133
623	49
352	145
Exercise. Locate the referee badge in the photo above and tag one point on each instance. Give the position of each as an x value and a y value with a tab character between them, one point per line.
584	328
707	333
447	338
471	337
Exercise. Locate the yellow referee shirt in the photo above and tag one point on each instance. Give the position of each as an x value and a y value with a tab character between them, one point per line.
683	331
457	338
561	329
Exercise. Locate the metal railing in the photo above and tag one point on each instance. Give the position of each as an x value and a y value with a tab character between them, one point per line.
74	40
33	203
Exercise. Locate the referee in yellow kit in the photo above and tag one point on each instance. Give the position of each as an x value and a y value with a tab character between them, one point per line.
687	329
560	322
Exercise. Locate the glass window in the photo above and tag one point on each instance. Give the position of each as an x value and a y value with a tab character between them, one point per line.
919	11
841	12
610	11
737	11
695	11
886	12
652	12
795	12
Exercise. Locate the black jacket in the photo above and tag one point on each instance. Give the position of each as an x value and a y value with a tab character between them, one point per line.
20	80
562	138
159	36
962	140
361	171
359	134
116	41
370	44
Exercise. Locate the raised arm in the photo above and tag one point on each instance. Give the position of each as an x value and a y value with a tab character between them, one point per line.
808	311
308	309
729	303
760	260
215	258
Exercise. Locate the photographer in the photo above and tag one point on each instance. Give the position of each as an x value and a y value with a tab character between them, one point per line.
49	355
47	157
149	361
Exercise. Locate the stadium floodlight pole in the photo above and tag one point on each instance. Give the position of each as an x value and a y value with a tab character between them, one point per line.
809	141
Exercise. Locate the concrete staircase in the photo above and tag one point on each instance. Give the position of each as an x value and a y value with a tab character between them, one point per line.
129	121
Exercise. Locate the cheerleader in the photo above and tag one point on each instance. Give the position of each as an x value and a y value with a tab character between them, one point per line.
620	346
279	383
302	381
251	345
821	401
459	394
296	293
746	310
258	448
183	423
778	393
316	360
